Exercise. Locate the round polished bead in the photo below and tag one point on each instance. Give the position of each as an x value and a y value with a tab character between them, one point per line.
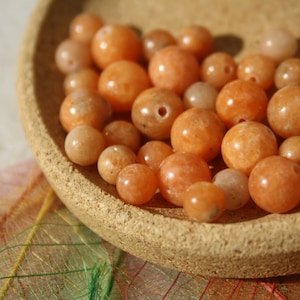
241	100
288	73
198	131
283	111
112	160
177	172
278	44
274	184
154	111
290	148
200	94
218	68
84	144
246	143
234	185
136	184
121	82
203	202
115	42
173	68
72	55
84	107
156	40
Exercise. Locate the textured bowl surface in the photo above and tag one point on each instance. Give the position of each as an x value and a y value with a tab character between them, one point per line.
244	244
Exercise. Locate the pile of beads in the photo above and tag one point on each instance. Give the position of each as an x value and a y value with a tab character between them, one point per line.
157	113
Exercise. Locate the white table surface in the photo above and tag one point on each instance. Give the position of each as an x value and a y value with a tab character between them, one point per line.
14	15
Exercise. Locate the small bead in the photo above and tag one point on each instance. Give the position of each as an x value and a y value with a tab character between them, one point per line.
154	111
84	144
218	69
173	68
83	107
115	42
278	44
136	184
82	79
283	111
290	148
196	39
246	143
121	132
198	131
257	68
203	202
287	73
241	100
156	40
84	26
202	95
121	82
234	185
72	55
177	172
112	160
274	184
153	153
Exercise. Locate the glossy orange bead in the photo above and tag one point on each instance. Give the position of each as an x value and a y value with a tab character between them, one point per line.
196	39
218	69
203	202
283	111
274	184
86	78
153	153
121	82
246	143
290	148
84	107
72	55
198	131
84	144
177	172
278	44
136	184
287	73
121	132
112	160
115	42
154	111
84	26
173	68
156	40
241	100
257	68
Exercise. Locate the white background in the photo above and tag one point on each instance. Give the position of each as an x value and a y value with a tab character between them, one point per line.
14	15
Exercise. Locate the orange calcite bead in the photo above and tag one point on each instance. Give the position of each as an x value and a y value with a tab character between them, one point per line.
283	111
121	82
288	73
177	172
115	42
154	111
246	143
173	68
274	184
198	131
203	202
290	148
136	184
84	107
241	100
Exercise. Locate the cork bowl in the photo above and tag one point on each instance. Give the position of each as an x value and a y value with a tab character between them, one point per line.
247	243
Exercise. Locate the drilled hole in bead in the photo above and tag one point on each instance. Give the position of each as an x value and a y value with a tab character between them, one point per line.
297	170
162	111
253	79
227	69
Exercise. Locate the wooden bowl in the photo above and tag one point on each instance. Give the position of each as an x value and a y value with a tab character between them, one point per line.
243	244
